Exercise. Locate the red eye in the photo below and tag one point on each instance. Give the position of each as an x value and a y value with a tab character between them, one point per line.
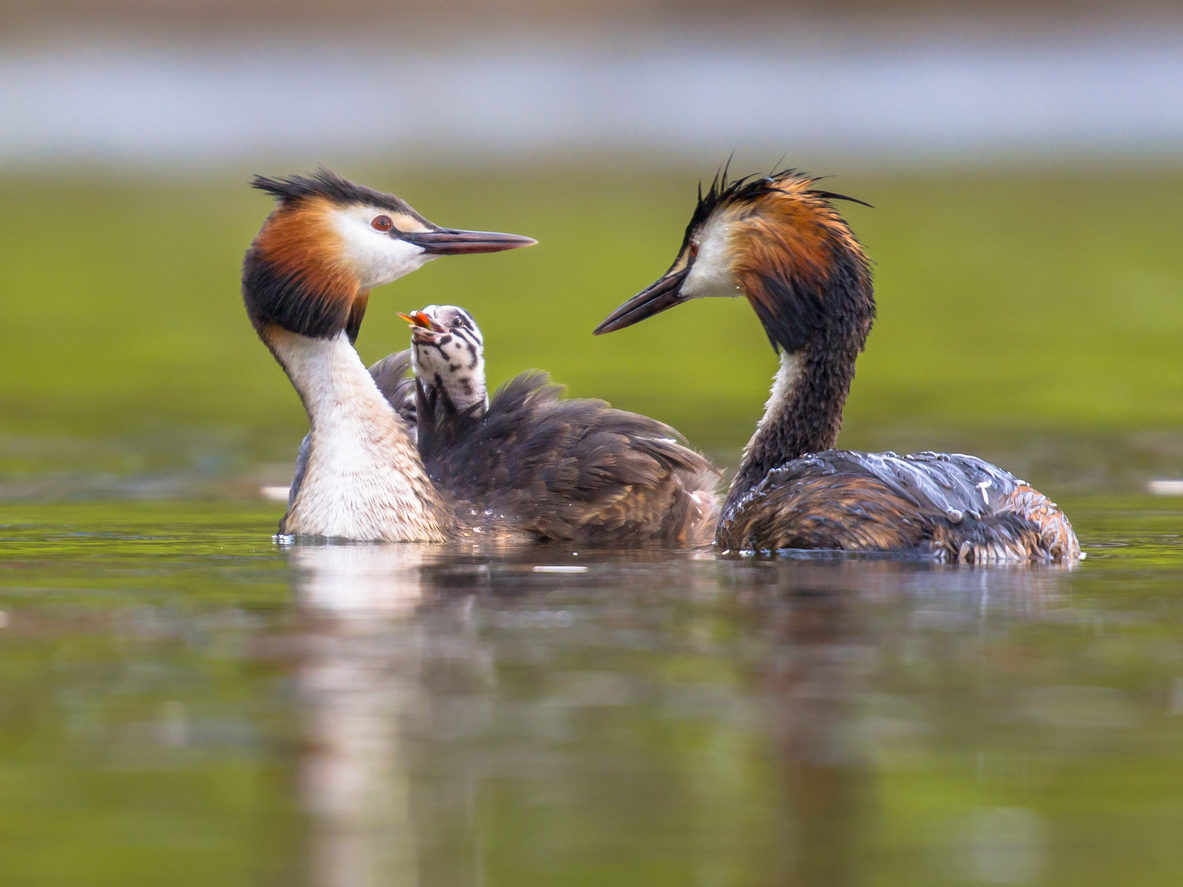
693	249
382	223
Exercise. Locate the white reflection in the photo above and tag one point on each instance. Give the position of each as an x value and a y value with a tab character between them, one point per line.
358	580
361	678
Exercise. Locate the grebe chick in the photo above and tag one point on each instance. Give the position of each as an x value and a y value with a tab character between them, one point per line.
448	360
580	468
779	242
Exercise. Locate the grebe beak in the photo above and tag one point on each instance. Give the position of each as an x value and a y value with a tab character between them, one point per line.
421	320
423	328
665	293
452	242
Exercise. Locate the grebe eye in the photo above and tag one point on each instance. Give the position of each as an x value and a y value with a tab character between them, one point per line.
382	223
694	249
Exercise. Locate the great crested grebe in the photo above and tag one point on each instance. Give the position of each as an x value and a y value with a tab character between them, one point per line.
779	241
306	279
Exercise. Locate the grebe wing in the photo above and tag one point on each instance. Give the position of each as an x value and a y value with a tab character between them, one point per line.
946	505
939	482
578	469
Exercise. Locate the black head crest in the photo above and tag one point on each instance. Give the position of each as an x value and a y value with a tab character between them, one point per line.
833	195
751	187
326	184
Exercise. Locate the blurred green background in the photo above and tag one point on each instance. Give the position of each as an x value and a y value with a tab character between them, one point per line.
1021	309
1023	163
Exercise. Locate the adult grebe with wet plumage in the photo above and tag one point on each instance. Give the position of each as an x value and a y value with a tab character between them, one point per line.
360	476
778	241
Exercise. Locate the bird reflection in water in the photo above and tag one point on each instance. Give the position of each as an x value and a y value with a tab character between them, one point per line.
826	644
367	697
427	720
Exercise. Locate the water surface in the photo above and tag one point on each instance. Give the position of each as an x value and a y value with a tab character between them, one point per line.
186	702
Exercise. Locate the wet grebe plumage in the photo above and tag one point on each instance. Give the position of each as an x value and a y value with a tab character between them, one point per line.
360	475
585	469
778	241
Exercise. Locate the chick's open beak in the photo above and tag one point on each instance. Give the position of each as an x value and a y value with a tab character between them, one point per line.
423	328
420	319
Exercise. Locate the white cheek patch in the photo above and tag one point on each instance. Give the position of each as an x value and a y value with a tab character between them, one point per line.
711	274
375	256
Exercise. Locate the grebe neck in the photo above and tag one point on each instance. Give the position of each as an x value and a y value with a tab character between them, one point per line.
803	413
364	478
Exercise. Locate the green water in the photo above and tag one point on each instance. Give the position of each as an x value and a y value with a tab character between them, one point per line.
183	701
186	703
